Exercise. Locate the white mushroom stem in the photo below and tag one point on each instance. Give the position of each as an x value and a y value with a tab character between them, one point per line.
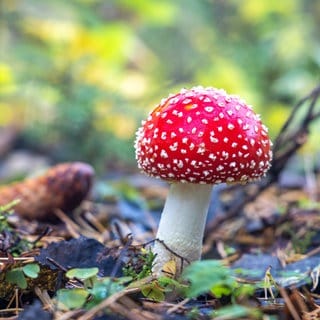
182	225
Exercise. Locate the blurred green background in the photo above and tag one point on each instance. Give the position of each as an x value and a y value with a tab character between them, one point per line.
77	76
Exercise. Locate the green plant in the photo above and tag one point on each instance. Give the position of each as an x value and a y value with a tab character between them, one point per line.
236	311
210	276
20	275
140	265
158	289
94	289
214	277
14	244
5	211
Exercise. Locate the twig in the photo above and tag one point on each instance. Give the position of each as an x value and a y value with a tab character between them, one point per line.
71	226
178	306
289	304
45	299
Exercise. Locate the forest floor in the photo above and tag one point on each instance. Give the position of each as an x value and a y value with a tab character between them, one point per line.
261	251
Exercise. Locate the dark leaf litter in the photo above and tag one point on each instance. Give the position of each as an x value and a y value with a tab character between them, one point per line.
79	253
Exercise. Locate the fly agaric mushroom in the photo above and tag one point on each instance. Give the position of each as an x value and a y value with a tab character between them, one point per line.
195	139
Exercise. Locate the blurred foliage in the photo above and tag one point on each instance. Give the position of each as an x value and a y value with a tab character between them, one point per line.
78	75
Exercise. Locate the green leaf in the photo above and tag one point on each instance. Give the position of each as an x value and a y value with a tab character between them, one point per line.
153	291
82	273
16	276
31	270
235	311
209	276
102	289
71	298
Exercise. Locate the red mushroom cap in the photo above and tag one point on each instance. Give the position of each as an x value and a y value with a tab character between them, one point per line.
203	135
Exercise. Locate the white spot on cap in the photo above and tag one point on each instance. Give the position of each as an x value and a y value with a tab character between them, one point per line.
174	146
230	126
208	109
163	154
186	101
201	150
244	177
225	155
180	164
259	152
204	121
234	144
189	119
214	140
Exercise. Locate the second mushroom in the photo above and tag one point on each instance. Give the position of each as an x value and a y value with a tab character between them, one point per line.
195	139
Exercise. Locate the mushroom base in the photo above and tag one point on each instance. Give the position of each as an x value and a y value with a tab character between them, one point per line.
181	227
